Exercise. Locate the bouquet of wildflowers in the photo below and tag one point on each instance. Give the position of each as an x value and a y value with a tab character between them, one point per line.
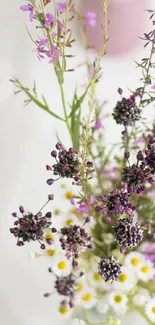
102	252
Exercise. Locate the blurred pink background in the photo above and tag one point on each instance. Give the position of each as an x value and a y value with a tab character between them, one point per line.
127	23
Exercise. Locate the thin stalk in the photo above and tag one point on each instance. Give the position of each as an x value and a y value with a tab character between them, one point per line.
64	108
147	71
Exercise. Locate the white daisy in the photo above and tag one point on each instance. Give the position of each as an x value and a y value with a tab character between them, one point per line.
86	298
126	280
146	271
102	307
64	311
62	266
77	321
118	301
150	309
94	279
134	260
141	297
81	285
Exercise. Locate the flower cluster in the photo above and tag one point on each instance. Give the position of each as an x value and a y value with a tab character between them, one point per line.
126	111
67	164
110	211
30	227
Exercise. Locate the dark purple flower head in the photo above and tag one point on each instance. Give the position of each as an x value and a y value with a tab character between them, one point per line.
128	233
109	269
30	227
118	202
126	112
67	162
66	286
74	240
30	9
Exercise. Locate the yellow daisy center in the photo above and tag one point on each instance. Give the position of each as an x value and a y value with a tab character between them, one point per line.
63	310
62	265
49	236
69	221
56	212
153	309
135	261
97	277
50	252
118	299
145	269
68	195
87	297
79	287
122	277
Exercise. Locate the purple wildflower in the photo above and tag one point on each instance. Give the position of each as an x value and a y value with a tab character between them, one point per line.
48	21
30	9
61	6
90	17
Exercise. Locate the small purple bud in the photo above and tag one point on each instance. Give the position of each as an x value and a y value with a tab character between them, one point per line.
58	146
51	197
140	155
90	246
63	303
122	250
48	167
48	215
127	154
120	91
98	209
20	243
99	198
46	295
50	181
87	219
71	150
91	200
42	246
54	153
74	264
90	164
21	209
133	229
124	133
81	274
76	178
14	214
71	304
54	230
108	219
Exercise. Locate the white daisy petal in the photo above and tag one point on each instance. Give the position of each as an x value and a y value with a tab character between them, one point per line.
126	280
134	260
62	266
102	307
118	301
150	309
141	297
77	321
146	271
86	298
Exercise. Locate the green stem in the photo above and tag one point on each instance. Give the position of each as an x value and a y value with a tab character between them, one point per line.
64	108
147	71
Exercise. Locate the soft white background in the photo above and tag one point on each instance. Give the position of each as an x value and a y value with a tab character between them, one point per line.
27	136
